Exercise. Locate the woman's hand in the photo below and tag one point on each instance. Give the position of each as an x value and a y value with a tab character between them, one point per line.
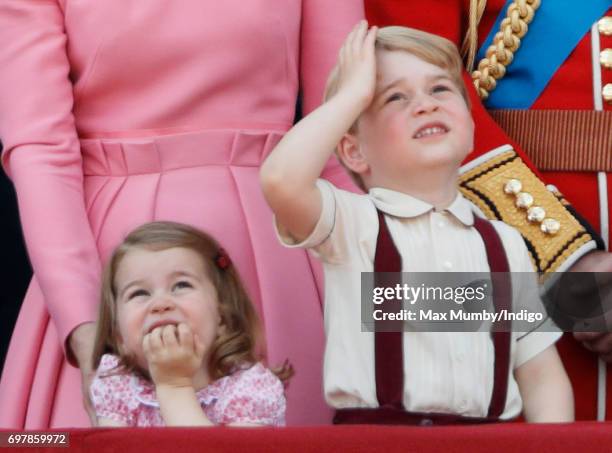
357	64
597	261
597	342
81	343
174	355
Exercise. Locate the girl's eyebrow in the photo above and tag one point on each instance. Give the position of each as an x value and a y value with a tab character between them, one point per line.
177	273
133	283
182	273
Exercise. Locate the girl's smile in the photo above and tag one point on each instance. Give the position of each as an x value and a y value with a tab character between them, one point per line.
165	287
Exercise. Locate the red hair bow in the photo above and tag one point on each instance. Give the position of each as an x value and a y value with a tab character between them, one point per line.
222	259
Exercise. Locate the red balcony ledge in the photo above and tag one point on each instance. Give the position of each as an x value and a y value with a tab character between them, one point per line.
499	438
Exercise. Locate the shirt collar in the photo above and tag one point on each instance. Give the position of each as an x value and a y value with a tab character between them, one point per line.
399	204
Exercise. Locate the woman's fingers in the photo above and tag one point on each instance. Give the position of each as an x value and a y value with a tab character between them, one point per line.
87	376
601	345
587	336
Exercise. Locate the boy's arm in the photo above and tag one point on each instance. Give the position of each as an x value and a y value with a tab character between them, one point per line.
289	174
545	388
324	26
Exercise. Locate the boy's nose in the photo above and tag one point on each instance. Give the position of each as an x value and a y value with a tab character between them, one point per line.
425	104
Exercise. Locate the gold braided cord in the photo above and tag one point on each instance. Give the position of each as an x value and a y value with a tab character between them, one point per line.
470	42
505	43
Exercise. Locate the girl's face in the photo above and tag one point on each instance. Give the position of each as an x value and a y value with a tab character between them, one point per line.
156	288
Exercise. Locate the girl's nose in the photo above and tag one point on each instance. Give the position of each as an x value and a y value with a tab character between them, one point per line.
162	303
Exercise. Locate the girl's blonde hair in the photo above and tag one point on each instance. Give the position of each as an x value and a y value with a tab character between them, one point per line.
431	48
237	343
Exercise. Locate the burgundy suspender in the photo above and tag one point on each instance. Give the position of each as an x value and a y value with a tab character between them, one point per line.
502	297
389	357
388	346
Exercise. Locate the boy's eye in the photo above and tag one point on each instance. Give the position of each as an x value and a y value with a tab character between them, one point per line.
182	284
440	88
137	293
395	97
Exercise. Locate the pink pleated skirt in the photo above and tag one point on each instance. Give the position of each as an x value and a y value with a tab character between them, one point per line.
208	179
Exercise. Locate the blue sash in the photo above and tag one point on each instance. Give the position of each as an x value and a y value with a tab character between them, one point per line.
556	30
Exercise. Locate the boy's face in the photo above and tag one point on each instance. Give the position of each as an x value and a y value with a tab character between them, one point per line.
418	121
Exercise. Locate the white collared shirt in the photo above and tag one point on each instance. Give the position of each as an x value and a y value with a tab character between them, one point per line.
446	372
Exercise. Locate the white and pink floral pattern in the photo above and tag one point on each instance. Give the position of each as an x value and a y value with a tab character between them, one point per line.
251	395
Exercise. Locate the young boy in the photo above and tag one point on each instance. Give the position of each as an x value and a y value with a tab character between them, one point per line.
398	112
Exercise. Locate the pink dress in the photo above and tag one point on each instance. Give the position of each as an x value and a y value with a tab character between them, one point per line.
252	395
118	112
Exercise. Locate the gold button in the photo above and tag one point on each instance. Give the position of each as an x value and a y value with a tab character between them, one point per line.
605	26
536	214
555	191
607	93
605	58
513	186
524	200
550	226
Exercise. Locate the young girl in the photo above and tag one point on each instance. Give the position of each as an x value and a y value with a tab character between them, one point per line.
176	337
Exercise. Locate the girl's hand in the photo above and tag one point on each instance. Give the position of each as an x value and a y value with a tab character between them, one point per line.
357	64
174	355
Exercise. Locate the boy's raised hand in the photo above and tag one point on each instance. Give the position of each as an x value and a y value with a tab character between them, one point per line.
174	355
357	64
289	174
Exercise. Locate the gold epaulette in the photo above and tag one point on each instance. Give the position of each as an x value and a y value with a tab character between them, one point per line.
505	189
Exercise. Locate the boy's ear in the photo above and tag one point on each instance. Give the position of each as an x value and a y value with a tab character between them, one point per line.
349	151
473	125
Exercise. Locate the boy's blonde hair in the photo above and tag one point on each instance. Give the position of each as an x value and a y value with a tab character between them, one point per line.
431	48
234	347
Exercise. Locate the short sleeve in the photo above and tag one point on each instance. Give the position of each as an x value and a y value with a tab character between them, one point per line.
544	334
531	344
254	396
324	225
345	216
110	392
